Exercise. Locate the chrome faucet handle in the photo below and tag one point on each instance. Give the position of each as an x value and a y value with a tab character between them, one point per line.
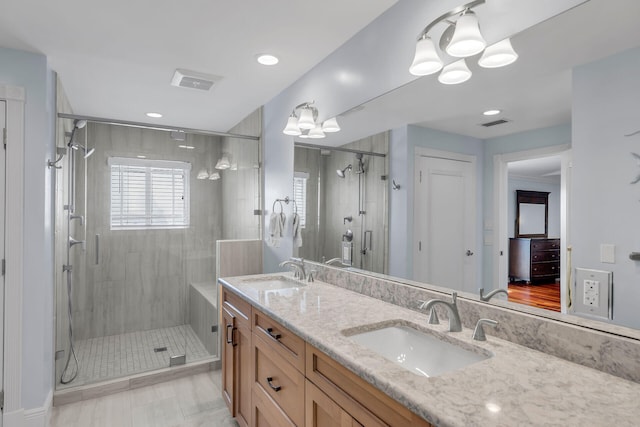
423	303
478	332
310	275
433	317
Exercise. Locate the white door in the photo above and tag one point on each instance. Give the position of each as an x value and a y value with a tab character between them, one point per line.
445	221
3	109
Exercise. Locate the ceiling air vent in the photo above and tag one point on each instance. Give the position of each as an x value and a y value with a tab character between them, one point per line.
194	80
495	123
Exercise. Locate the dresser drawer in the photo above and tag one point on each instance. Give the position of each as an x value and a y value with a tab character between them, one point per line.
541	256
544	244
545	269
284	342
278	379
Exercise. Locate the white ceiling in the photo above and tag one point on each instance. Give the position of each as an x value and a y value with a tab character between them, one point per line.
116	58
534	92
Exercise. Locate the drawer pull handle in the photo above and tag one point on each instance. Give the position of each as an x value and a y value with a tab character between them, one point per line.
273	335
275	388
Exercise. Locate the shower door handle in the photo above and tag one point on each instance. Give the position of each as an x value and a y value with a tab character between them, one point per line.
97	249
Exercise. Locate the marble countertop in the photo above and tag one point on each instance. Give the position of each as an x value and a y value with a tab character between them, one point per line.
517	386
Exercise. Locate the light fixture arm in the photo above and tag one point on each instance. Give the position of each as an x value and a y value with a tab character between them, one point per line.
310	106
453	12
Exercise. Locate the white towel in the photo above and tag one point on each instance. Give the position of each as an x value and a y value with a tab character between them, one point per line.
297	231
276	225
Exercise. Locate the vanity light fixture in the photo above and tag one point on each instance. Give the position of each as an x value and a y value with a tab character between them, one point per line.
267	59
154	115
461	39
202	174
303	122
492	112
214	176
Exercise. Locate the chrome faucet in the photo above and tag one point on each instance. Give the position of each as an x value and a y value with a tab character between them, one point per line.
478	332
454	317
488	296
298	266
332	261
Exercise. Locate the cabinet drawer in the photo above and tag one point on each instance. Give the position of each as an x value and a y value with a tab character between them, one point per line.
266	413
278	379
540	256
545	244
284	342
354	394
545	269
239	307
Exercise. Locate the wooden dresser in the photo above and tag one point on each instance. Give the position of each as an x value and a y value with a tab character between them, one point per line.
534	260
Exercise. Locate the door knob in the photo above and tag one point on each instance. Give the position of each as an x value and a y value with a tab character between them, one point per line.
469	253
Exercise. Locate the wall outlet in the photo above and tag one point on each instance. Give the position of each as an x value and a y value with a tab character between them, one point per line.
591	293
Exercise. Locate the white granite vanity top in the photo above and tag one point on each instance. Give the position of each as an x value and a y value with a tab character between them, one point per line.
516	387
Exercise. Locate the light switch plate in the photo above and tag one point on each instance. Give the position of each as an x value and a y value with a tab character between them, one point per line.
608	253
593	292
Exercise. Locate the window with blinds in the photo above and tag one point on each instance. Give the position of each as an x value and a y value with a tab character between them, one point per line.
300	195
149	193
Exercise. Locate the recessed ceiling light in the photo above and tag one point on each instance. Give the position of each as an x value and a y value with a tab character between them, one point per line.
266	59
154	115
492	112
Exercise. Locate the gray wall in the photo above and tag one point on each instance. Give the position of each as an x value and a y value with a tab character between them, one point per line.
142	278
535	185
605	207
32	72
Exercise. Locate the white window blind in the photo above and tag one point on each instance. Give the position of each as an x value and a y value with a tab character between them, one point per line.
149	193
300	195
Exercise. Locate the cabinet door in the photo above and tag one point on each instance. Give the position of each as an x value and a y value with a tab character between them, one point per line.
228	359
320	411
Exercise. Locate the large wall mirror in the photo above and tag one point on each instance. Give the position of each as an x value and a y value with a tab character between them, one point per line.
554	103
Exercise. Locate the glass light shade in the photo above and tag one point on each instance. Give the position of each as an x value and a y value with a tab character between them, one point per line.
466	40
202	174
331	125
498	55
316	133
306	120
234	167
214	176
304	135
455	73
292	126
223	163
426	60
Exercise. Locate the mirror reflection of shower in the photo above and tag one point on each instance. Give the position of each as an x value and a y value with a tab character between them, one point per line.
342	172
79	124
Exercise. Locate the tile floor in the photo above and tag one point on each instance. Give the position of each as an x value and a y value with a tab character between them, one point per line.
194	401
115	356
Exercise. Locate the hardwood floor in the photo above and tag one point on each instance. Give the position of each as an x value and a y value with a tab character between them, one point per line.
541	296
193	401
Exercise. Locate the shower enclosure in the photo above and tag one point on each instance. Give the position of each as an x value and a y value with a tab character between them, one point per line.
138	214
345	202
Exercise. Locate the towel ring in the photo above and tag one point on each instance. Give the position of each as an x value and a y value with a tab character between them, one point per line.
273	208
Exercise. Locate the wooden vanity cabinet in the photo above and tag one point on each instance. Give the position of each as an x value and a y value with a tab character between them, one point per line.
282	381
236	356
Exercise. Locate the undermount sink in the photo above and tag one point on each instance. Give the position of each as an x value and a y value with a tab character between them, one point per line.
417	351
272	283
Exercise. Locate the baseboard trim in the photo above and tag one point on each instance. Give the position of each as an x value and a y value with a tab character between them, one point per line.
39	417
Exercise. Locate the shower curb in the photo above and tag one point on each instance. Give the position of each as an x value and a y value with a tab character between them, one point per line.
104	388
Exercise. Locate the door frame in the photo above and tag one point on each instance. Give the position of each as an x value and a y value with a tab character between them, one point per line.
501	205
447	155
14	239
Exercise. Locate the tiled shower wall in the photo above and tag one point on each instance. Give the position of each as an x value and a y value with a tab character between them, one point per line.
139	278
339	199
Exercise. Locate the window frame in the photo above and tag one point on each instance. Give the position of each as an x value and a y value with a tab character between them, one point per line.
301	205
149	165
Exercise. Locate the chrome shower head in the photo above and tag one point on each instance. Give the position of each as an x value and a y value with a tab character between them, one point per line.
341	172
79	124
